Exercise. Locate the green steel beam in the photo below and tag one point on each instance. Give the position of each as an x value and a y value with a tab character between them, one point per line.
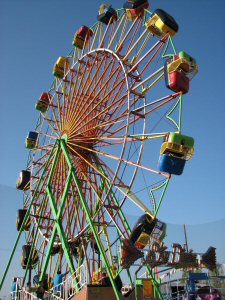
47	257
25	218
180	112
171	119
162	196
156	207
57	213
89	219
54	229
156	285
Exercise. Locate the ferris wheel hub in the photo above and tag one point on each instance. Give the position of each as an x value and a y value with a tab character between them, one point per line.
64	137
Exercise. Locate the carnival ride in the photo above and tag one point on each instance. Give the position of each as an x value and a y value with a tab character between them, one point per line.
194	285
119	89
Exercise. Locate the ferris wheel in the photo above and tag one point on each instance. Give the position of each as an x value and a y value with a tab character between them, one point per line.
107	140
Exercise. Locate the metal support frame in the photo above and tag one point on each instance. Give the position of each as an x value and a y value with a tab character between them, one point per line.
89	219
57	213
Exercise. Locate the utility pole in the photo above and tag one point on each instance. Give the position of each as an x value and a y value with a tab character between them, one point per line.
185	235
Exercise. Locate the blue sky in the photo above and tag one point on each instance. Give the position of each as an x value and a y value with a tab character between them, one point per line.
35	33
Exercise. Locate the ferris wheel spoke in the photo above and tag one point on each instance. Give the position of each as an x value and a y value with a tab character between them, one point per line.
138	116
168	97
102	208
74	220
114	26
86	45
114	121
111	40
52	118
81	70
70	209
78	209
110	25
49	122
97	95
106	110
44	245
46	147
100	78
155	50
65	102
95	36
88	93
135	46
48	135
78	92
60	92
83	73
94	189
59	186
106	170
121	82
114	157
60	104
41	189
69	102
30	234
146	89
36	177
67	209
105	64
124	35
165	101
78	73
97	77
110	111
38	161
103	78
67	215
134	35
149	78
75	55
113	103
40	211
86	161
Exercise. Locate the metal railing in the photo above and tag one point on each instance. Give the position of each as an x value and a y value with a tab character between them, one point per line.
63	291
22	294
69	287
